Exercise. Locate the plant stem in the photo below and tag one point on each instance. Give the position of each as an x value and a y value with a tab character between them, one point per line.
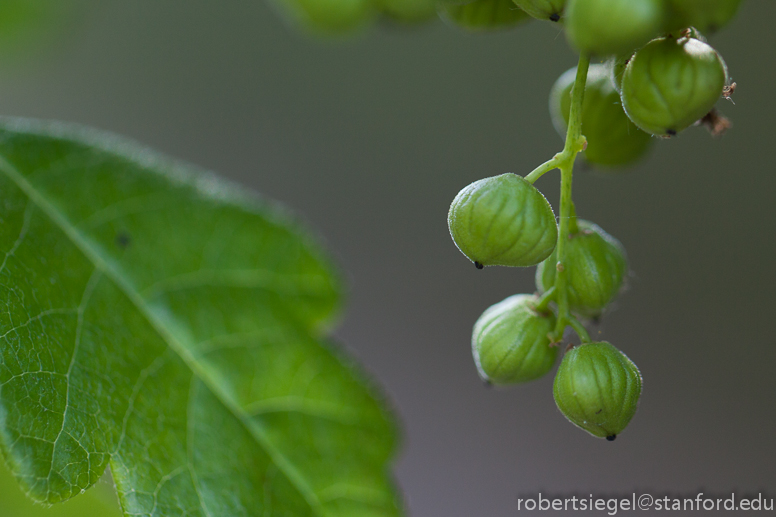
544	168
579	329
575	143
543	304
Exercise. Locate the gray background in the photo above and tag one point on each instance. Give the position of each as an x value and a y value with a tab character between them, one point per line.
369	139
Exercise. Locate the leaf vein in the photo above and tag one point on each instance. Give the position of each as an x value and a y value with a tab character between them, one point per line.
190	444
93	253
88	290
22	234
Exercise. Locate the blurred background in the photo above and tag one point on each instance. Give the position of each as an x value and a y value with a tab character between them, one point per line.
370	138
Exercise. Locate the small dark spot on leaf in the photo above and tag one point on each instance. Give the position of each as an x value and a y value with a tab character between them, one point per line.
611	437
478	265
671	132
598	412
555	17
123	240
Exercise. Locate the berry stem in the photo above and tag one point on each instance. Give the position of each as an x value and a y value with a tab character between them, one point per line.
543	304
575	143
544	168
580	329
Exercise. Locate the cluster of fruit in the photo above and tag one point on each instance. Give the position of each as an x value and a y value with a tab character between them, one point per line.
506	221
596	26
664	87
658	76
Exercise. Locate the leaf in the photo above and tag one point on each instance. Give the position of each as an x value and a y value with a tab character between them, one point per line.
97	502
161	321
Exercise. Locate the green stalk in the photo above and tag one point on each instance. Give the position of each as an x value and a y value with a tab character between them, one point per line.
579	329
543	304
543	169
575	143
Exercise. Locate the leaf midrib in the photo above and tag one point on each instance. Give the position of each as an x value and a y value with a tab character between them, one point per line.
93	254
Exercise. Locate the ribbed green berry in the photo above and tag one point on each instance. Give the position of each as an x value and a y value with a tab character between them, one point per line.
597	388
670	84
612	139
616	67
613	27
503	221
482	15
408	11
705	15
543	9
331	17
595	268
510	341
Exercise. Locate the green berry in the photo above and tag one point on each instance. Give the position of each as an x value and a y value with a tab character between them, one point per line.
543	9
595	270
510	341
670	84
613	27
503	221
408	11
597	388
612	139
484	15
331	17
704	15
617	70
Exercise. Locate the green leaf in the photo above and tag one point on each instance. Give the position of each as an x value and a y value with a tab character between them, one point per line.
161	321
97	502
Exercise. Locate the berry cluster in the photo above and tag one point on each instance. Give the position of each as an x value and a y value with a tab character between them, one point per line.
657	77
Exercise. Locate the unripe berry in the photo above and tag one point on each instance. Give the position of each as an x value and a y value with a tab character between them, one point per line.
595	268
597	388
510	341
705	15
543	9
670	84
331	16
503	221
408	11
483	15
617	70
612	139
613	27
